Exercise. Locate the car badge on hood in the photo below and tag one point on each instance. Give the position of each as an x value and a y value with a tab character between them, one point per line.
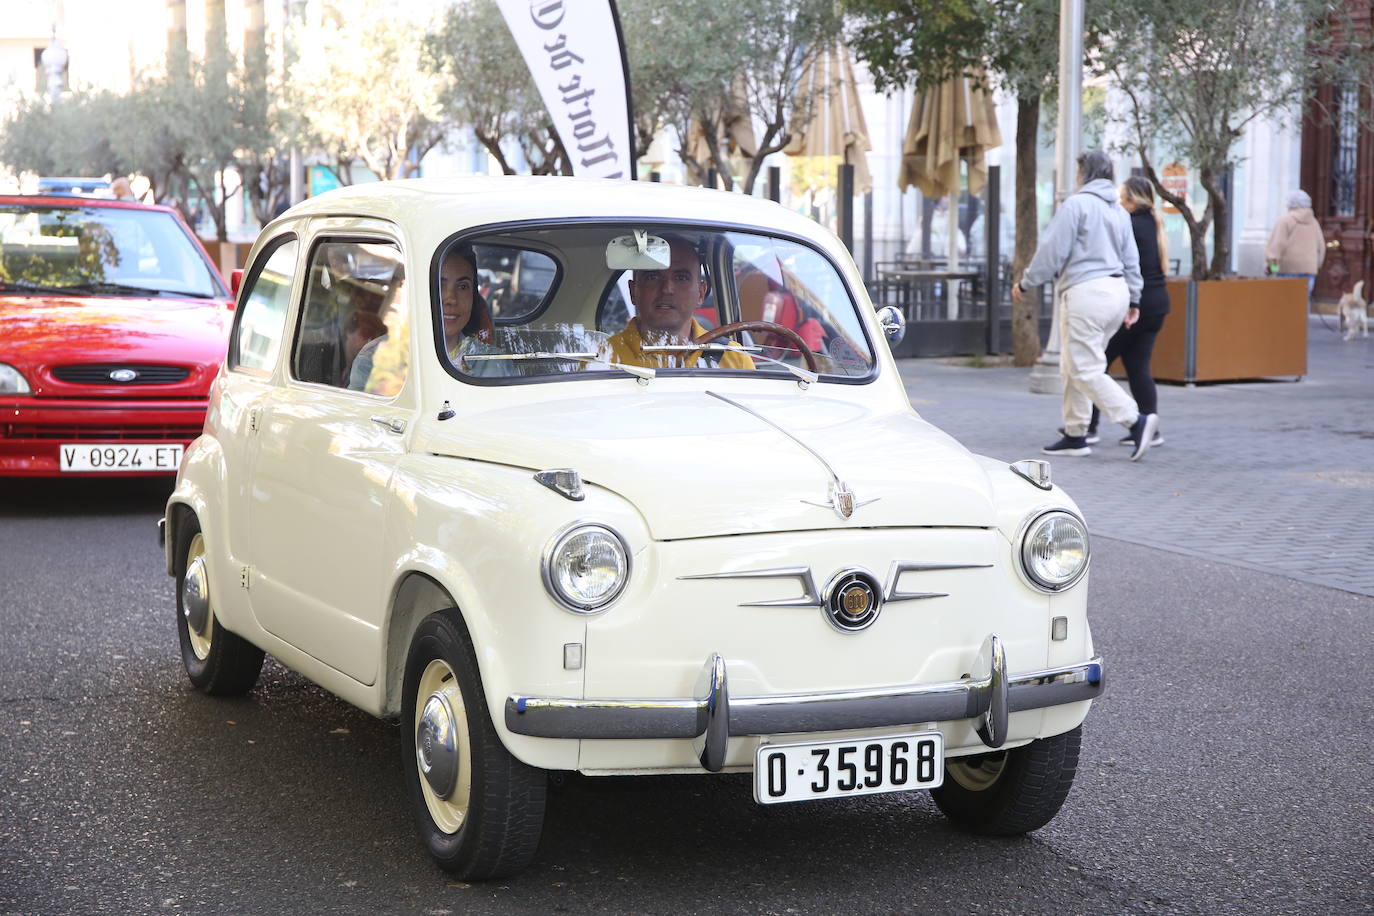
842	499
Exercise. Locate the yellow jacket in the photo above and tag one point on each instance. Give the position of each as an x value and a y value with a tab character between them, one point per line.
627	347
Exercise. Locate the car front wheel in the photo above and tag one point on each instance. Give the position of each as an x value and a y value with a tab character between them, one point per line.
479	810
217	661
1013	791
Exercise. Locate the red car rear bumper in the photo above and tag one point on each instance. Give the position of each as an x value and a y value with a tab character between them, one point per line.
32	431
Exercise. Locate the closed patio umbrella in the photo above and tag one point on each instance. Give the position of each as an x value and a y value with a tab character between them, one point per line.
836	126
738	129
956	121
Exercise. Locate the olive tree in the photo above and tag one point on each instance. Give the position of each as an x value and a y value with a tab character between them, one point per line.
1197	73
362	87
486	85
919	44
708	70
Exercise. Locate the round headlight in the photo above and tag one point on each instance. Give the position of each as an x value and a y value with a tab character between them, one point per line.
1054	550
586	567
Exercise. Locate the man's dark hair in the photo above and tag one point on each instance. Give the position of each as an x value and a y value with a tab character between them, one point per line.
1094	164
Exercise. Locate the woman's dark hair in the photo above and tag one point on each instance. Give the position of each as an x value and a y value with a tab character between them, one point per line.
480	319
1094	164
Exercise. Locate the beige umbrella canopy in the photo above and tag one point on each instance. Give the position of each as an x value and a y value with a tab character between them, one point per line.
738	128
955	120
836	126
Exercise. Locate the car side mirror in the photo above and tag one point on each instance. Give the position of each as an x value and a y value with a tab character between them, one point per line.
235	282
893	323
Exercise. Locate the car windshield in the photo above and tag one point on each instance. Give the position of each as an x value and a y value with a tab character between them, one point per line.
586	298
101	251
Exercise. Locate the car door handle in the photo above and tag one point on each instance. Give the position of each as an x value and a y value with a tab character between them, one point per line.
393	425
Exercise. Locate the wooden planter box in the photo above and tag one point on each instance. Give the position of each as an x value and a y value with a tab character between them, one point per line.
1241	328
228	256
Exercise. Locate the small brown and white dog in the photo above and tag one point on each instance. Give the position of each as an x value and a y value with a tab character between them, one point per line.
1353	314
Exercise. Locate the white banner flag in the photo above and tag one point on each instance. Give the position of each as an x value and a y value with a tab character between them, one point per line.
575	54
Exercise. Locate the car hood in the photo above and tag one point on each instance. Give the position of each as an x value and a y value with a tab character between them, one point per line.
40	332
699	466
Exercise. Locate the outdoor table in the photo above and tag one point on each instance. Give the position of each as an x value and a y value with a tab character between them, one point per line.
911	284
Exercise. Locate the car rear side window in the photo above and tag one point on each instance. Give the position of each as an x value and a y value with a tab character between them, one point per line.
353	330
261	320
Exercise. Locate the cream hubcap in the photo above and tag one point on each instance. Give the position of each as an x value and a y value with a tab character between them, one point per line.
195	599
443	755
977	774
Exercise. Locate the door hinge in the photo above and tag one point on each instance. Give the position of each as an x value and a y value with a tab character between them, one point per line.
245	576
252	419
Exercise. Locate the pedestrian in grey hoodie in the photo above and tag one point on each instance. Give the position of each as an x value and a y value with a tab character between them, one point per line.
1088	249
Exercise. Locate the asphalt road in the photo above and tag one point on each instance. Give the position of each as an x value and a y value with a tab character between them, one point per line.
1227	769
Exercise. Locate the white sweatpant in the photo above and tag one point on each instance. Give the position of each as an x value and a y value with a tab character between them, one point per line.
1089	314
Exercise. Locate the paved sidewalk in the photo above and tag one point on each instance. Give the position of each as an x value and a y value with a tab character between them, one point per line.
1276	476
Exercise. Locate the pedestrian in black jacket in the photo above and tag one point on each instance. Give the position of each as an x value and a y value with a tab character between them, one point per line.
1134	342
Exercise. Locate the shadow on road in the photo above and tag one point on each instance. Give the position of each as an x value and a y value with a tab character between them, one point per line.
42	497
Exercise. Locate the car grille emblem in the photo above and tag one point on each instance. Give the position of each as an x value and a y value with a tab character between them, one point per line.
852	599
123	375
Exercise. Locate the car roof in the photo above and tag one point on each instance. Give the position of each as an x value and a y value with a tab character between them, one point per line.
76	200
431	210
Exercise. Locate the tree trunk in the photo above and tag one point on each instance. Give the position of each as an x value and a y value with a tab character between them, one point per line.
1221	237
1025	316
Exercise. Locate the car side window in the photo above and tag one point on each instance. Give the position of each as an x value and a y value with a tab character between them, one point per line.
353	331
261	321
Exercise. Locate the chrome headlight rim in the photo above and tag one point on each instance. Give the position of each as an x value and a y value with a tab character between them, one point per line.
1023	566
568	602
7	372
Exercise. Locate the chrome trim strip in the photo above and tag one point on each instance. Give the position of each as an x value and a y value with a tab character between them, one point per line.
841	498
990	697
898	567
810	595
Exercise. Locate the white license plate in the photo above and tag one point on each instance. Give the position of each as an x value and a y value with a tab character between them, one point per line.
85	457
858	766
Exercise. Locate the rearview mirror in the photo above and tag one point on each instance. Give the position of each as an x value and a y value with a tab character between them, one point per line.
639	251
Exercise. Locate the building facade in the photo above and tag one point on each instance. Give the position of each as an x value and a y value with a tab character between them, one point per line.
1338	171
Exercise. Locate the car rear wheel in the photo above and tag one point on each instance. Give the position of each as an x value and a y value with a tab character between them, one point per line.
1010	792
479	810
218	662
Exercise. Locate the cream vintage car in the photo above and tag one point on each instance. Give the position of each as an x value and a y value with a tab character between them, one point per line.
665	509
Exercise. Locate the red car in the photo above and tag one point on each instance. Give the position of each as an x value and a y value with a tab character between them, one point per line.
113	323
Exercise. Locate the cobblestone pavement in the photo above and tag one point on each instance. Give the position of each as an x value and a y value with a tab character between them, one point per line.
1271	475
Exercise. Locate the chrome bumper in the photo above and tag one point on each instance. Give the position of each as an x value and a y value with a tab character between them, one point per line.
712	716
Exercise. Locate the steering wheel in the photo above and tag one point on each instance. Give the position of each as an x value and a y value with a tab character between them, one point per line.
771	326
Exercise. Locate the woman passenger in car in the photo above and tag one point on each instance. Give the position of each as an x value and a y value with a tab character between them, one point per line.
466	323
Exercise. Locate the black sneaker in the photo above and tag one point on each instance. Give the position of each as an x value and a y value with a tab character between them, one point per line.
1128	439
1143	432
1092	438
1077	446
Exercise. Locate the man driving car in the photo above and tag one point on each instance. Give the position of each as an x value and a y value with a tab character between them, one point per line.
664	301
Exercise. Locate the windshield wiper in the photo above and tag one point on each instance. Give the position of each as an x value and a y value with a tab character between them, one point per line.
642	372
105	286
6	285
803	375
